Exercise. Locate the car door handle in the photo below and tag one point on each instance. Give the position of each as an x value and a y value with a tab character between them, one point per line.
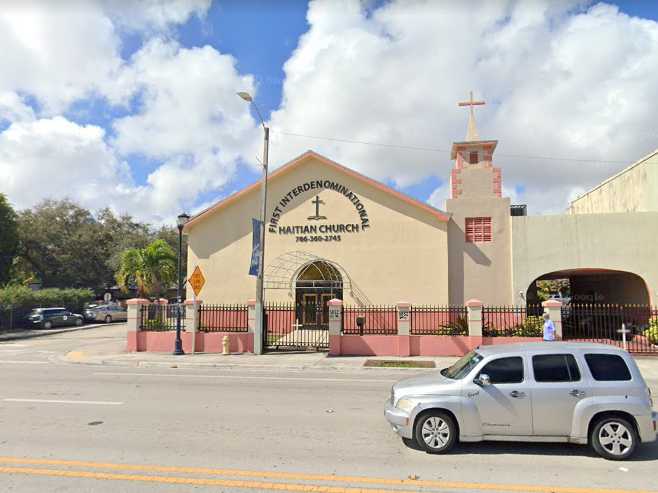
516	394
577	393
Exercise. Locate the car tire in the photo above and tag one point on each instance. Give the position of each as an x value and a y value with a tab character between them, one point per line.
78	322
435	432
108	319
614	438
48	325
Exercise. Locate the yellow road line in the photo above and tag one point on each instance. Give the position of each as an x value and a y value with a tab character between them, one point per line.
455	485
227	483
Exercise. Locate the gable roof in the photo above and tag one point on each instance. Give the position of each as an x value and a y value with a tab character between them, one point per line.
298	161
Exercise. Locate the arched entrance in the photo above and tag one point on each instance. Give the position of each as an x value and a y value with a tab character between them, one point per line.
599	305
590	286
315	284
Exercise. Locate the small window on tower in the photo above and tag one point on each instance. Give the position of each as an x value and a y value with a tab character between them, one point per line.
473	157
478	229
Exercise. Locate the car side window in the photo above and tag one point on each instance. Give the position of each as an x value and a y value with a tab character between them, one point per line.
504	370
555	368
607	367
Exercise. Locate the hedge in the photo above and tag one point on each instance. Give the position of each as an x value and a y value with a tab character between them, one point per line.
20	300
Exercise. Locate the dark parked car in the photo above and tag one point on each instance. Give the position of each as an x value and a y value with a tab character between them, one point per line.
54	317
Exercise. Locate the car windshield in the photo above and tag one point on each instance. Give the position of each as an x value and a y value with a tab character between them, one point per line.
463	366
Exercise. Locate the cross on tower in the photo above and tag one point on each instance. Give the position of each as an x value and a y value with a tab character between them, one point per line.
472	132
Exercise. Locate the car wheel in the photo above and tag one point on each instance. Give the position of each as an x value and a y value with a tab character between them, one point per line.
78	322
48	325
435	432
614	438
108	319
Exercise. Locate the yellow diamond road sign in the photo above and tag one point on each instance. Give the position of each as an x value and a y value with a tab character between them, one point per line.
197	280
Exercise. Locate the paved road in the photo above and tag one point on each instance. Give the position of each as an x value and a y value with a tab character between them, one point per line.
71	427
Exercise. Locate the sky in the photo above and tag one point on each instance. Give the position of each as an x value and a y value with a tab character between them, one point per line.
133	106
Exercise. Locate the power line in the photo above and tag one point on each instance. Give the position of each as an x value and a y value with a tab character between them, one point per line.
437	149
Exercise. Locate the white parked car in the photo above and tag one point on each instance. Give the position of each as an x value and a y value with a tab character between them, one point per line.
546	391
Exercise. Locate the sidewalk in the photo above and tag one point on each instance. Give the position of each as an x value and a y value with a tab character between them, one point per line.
18	334
278	361
274	361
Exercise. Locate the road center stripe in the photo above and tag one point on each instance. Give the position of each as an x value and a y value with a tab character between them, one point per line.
22	362
57	401
424	483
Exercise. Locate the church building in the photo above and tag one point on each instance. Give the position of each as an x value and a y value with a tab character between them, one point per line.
334	233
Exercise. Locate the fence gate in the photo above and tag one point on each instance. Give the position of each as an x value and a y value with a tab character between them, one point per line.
296	327
603	323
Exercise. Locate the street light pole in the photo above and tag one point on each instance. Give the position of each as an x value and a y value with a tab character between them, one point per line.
260	288
181	220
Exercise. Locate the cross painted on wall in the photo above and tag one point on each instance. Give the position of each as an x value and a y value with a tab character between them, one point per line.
317	216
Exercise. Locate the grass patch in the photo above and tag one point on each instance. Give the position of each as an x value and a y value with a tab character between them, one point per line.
393	363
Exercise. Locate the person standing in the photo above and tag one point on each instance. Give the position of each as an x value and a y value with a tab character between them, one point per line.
549	328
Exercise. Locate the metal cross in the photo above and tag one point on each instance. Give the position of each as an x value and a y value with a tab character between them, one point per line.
317	203
470	102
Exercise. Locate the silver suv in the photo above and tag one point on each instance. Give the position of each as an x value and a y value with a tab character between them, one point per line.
535	392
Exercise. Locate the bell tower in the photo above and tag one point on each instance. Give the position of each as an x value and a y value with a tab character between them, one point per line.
479	241
473	173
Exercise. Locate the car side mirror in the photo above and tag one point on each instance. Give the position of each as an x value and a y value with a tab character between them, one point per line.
483	380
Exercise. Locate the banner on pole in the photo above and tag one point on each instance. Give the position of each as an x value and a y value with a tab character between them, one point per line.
255	247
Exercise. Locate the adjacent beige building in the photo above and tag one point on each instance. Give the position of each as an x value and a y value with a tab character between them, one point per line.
332	232
634	189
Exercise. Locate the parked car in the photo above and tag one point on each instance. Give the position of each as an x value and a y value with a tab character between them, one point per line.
547	391
107	313
48	318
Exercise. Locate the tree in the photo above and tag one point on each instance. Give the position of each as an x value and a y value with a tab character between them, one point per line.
8	239
151	270
64	245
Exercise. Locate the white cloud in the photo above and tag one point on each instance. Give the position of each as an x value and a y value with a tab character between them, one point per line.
154	14
559	82
189	116
63	51
56	158
438	197
13	108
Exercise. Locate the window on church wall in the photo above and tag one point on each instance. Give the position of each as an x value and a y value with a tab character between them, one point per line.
478	229
473	157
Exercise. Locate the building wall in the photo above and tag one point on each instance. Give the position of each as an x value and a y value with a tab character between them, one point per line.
402	256
616	241
634	189
480	270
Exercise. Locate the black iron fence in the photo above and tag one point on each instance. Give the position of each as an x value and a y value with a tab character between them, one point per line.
300	327
14	318
512	321
438	320
604	324
370	320
224	318
161	317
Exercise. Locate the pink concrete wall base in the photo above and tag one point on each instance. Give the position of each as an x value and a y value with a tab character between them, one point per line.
163	342
382	345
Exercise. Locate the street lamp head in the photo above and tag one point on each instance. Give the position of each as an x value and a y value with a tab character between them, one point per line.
182	220
246	96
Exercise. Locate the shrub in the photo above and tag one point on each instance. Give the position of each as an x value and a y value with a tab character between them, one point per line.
532	326
457	328
155	324
21	297
652	332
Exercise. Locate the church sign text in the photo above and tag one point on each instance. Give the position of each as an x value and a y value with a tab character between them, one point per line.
318	232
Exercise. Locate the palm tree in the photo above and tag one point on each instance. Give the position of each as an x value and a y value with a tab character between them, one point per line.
152	269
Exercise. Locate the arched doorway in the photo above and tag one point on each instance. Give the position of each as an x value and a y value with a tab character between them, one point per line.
590	286
316	283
